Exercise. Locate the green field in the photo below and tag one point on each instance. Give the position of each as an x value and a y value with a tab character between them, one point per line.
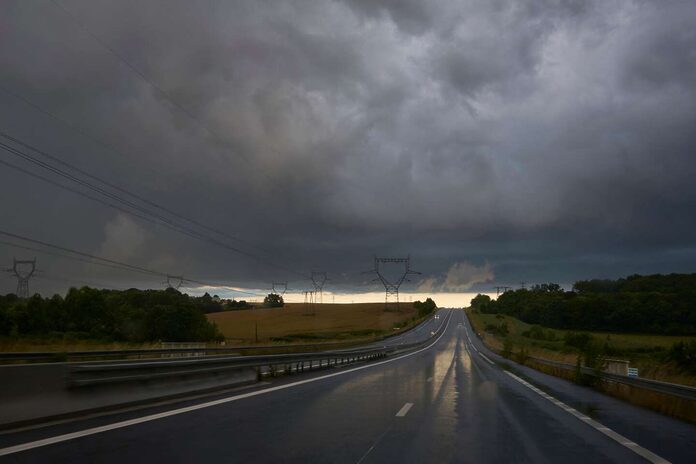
644	351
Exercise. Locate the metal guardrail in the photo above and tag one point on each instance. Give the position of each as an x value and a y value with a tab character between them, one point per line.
683	391
96	374
82	375
106	354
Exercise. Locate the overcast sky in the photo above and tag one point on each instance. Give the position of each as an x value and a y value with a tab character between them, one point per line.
493	141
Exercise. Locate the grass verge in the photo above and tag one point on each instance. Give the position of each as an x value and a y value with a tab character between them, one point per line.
504	345
644	351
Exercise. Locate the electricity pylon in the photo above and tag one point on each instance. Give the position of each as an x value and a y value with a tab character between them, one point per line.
391	288
309	300
319	279
174	282
283	285
23	276
501	289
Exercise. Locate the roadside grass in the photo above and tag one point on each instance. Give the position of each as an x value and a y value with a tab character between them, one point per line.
325	322
644	351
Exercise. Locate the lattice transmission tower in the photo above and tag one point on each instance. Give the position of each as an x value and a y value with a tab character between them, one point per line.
319	279
23	275
174	282
275	286
310	298
501	289
391	286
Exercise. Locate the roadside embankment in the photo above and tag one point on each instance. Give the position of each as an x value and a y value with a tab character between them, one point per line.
668	398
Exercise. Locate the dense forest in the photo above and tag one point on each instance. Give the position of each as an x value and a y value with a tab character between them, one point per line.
659	304
131	315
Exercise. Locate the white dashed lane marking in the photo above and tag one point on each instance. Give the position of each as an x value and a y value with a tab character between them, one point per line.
635	447
404	410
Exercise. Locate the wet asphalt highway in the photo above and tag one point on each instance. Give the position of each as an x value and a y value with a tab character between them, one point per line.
449	402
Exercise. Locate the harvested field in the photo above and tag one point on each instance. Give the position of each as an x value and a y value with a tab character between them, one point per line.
294	322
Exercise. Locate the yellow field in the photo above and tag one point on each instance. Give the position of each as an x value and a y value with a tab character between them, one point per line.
326	322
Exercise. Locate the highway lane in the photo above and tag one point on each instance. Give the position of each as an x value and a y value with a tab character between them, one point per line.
442	404
37	401
665	436
421	332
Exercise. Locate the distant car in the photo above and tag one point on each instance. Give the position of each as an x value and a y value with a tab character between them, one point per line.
437	316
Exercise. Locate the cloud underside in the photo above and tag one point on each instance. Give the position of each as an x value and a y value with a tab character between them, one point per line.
544	137
460	277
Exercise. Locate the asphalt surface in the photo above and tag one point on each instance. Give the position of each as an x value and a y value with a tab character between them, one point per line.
444	403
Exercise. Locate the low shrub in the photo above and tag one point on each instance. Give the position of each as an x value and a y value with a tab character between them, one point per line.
500	329
684	355
521	356
537	332
577	340
507	347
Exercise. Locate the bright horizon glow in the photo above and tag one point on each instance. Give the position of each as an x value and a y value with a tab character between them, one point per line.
442	299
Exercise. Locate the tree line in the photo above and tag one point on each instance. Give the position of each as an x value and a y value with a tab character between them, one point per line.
659	304
425	307
112	315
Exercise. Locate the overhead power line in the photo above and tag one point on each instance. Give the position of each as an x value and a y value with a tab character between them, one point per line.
103	181
73	127
156	220
164	94
162	219
125	266
120	154
80	193
83	254
90	197
62	255
109	146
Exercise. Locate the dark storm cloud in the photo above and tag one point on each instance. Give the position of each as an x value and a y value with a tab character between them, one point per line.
514	140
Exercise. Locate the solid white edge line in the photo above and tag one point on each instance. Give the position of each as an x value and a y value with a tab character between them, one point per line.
404	410
486	358
139	420
617	437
